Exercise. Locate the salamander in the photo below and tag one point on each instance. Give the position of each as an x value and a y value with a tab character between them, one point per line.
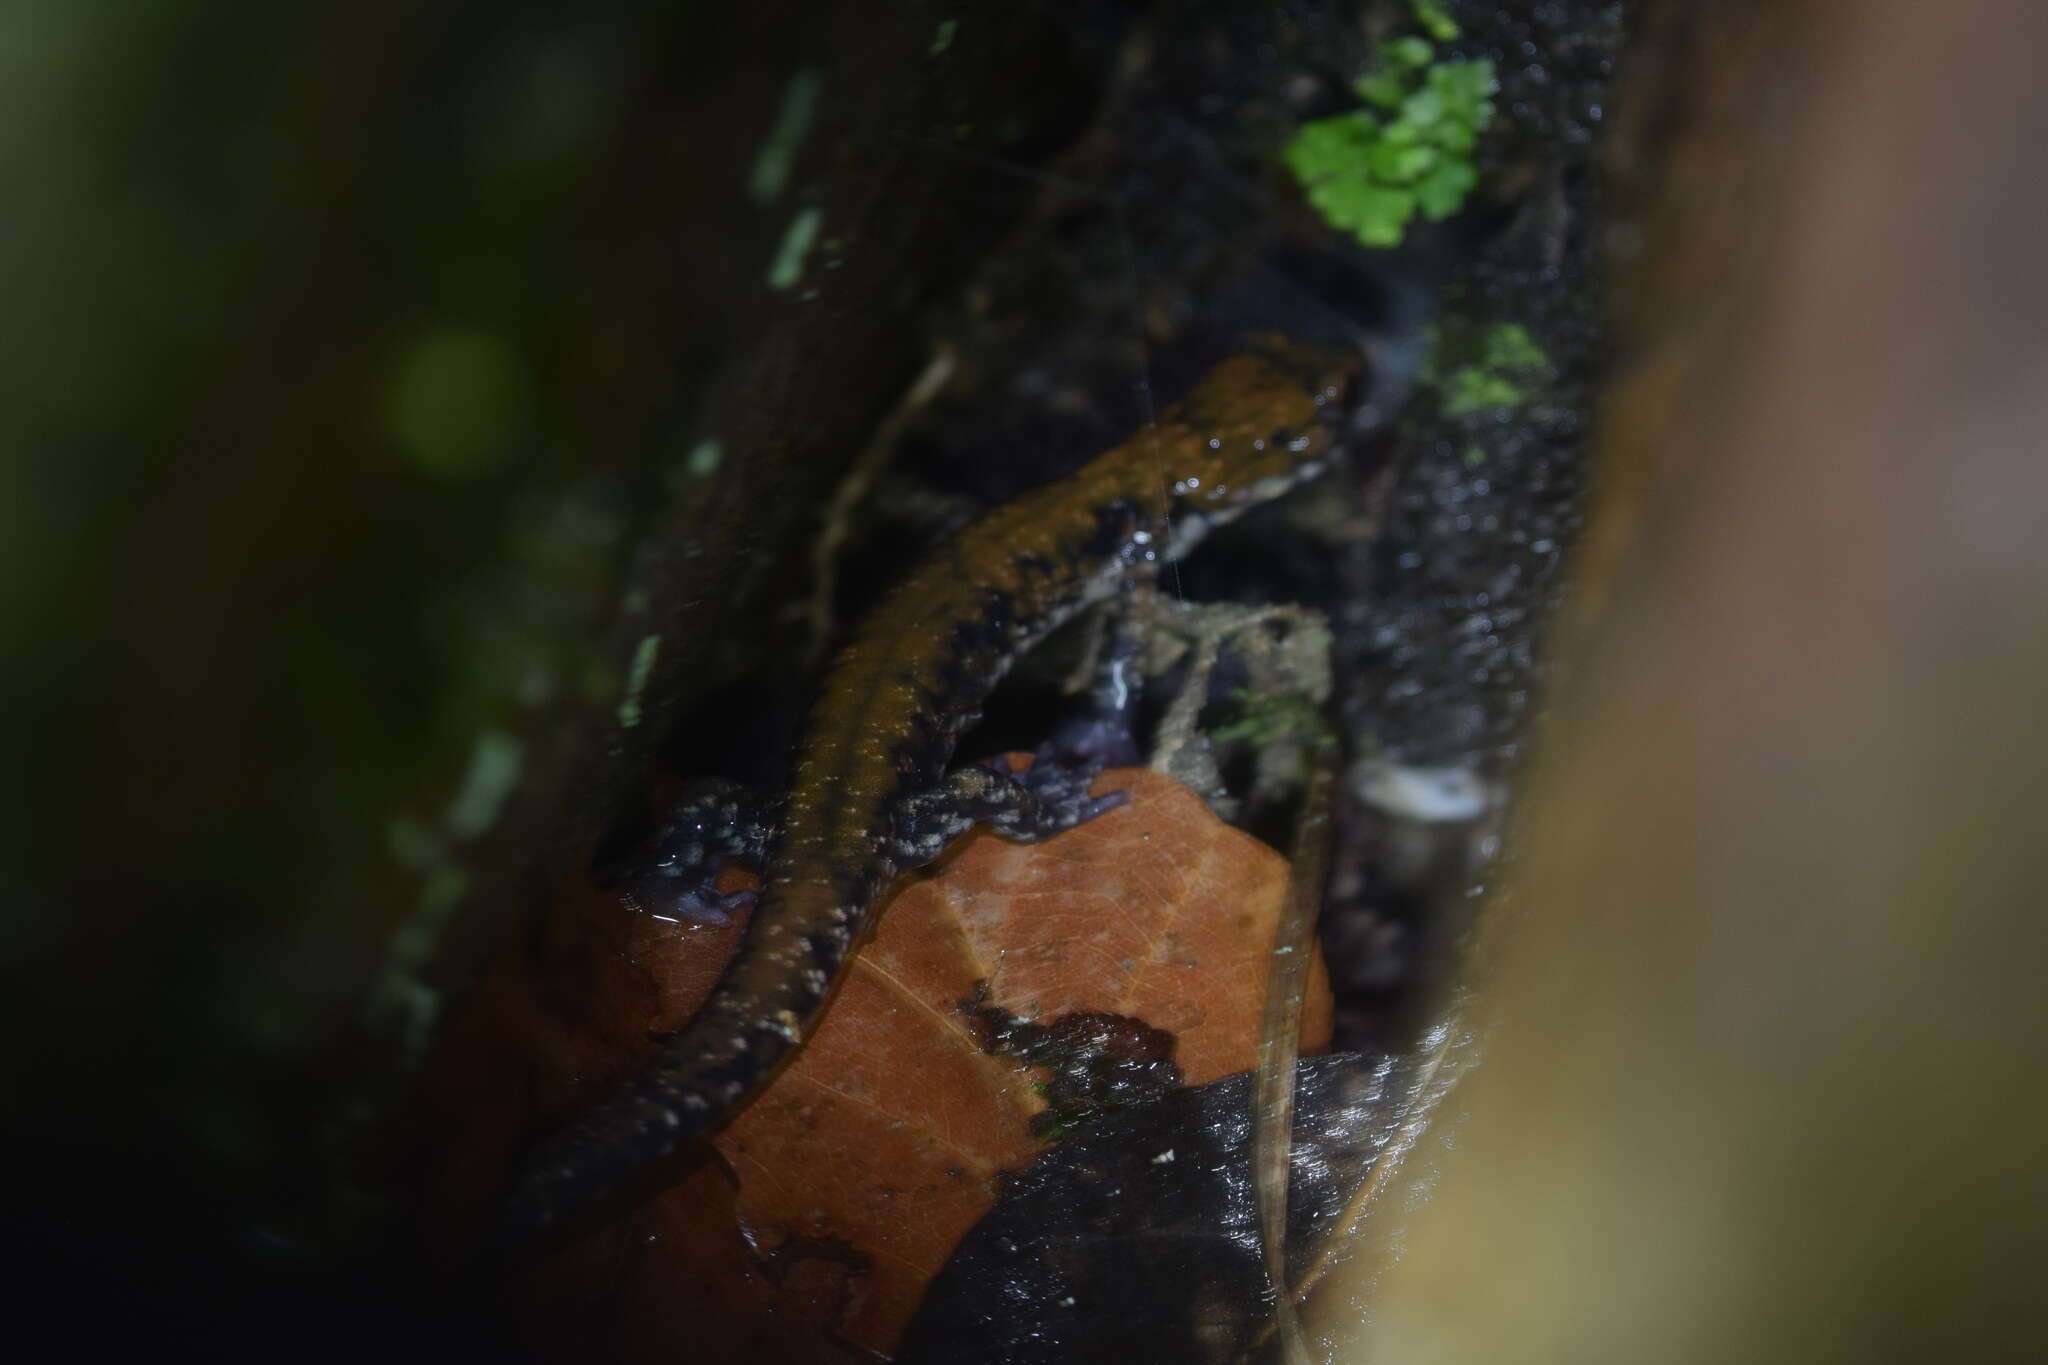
869	794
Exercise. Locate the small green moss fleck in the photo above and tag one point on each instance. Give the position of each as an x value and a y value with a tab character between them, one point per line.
1509	346
943	38
777	156
400	1004
1478	367
704	458
1435	20
1268	720
1407	53
493	768
788	267
637	676
1470	390
456	402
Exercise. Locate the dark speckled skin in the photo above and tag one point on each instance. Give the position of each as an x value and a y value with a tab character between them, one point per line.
893	705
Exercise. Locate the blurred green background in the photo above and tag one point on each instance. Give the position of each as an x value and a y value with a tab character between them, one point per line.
307	495
349	351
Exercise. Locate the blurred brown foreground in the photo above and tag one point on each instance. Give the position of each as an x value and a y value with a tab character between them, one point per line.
1765	1006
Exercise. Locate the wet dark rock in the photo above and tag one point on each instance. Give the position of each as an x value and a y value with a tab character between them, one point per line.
1137	1239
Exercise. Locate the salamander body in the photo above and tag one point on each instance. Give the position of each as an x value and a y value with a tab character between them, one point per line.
894	703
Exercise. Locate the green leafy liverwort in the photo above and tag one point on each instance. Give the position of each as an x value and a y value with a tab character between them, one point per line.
1370	170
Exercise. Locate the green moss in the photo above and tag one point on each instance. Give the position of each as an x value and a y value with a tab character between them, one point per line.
704	458
1270	719
1509	346
777	157
456	402
493	768
1369	171
644	657
1435	20
788	266
1477	367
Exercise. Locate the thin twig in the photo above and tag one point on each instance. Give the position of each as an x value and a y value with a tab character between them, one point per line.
1280	1045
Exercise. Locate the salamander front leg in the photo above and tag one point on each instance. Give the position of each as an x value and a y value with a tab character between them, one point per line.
674	875
1028	806
1106	732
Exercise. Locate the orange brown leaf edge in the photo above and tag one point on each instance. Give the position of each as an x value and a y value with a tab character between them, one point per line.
847	1183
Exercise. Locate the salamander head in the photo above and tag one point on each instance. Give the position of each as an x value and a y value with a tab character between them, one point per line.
1263	423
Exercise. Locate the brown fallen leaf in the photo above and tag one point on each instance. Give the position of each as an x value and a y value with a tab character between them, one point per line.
848	1182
